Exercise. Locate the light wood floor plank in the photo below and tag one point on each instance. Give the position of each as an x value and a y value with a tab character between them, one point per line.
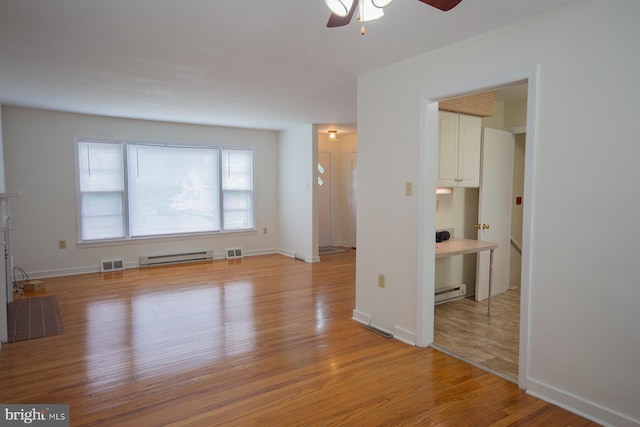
462	327
261	341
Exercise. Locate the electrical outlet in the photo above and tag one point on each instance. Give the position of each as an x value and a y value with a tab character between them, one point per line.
62	244
381	281
409	188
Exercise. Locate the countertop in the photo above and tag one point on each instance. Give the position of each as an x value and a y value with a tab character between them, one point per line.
457	246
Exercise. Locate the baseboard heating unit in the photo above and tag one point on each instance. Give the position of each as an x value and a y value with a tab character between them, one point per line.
147	261
450	292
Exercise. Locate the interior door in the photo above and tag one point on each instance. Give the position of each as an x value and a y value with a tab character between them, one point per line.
494	211
324	198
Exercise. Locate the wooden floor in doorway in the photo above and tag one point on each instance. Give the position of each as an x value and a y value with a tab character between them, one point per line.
463	328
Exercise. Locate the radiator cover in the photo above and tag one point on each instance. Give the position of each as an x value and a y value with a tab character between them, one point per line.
146	261
450	292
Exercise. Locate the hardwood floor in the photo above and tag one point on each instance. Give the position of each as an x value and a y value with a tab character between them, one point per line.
264	340
462	327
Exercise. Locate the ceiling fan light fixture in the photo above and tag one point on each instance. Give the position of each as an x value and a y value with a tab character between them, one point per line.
381	3
369	11
339	7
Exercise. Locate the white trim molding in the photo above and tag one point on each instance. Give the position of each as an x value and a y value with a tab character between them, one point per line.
575	404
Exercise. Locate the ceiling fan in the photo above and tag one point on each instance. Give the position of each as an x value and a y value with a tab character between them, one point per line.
342	10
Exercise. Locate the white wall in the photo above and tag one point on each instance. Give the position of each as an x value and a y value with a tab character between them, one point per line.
297	214
583	343
39	160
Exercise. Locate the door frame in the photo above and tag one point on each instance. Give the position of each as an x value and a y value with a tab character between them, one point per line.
427	202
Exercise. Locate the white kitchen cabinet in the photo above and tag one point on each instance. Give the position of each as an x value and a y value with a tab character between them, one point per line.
459	150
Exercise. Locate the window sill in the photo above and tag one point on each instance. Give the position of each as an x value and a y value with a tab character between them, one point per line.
156	239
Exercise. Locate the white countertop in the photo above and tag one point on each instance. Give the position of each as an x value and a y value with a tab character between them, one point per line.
456	246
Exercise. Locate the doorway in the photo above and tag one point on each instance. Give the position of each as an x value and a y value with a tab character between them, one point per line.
461	325
426	280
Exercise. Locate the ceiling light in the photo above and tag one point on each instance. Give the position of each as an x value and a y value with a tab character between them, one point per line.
369	11
381	3
339	7
333	135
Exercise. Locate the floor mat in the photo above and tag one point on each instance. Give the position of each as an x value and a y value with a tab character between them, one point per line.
31	318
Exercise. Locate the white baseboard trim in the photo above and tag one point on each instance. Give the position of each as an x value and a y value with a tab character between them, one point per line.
292	254
361	317
580	406
256	252
404	335
131	264
398	333
66	271
285	252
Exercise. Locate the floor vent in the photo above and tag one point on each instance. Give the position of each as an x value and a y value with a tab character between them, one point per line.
449	293
113	264
147	261
234	253
380	332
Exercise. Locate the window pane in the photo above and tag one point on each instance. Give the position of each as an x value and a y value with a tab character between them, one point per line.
172	190
169	189
236	170
100	166
237	188
102	216
238	210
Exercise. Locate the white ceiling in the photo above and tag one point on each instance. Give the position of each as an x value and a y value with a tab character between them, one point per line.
245	63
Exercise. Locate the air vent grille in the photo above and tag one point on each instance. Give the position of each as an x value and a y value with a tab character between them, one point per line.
113	264
234	253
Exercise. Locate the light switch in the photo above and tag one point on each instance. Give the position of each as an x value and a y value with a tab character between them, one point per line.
409	188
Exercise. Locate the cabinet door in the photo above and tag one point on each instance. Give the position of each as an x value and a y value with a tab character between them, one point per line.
469	134
448	150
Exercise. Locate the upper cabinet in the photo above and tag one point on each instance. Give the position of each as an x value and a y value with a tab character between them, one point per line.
459	150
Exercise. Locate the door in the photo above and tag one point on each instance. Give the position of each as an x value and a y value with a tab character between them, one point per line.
494	210
324	199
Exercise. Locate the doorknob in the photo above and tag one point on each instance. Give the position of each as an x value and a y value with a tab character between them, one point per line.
477	226
485	226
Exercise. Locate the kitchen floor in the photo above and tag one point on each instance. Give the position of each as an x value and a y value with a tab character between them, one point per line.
463	328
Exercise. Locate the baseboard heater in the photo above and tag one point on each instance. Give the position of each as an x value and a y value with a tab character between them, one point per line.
450	292
147	261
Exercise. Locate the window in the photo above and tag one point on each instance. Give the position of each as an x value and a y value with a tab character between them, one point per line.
129	190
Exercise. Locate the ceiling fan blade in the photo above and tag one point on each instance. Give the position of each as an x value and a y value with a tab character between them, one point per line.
339	21
443	5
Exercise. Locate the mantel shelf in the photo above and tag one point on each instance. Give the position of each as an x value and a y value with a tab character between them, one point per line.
8	195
